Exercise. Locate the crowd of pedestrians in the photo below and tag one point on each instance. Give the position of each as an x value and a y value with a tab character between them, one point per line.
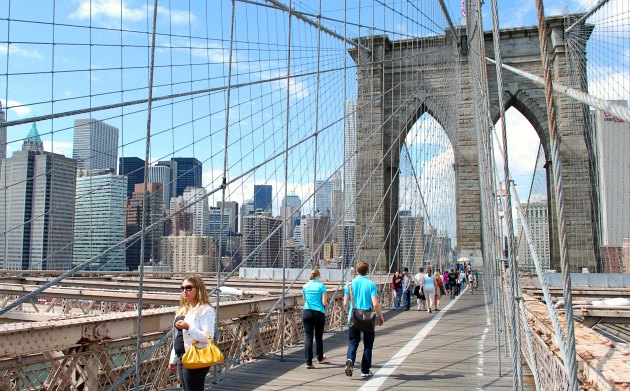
360	295
429	287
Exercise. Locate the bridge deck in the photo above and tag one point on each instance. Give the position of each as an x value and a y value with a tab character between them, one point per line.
451	349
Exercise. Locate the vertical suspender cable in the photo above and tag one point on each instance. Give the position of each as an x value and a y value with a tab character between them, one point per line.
516	353
286	173
225	162
570	362
144	198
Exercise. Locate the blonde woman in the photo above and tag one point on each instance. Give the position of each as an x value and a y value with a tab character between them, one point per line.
439	289
194	321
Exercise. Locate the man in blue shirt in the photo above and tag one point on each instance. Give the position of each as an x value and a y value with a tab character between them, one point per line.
407	287
365	295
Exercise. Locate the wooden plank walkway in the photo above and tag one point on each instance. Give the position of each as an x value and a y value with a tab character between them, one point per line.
447	350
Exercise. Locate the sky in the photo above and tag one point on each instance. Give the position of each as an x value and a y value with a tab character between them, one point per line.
89	67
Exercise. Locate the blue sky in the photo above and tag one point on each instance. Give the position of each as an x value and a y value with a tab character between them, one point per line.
192	52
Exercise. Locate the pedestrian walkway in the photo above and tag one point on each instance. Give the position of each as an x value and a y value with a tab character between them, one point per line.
453	349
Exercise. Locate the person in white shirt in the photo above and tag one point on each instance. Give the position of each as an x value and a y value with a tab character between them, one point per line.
194	322
419	280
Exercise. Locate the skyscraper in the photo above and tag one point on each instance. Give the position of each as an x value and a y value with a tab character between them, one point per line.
162	174
182	221
154	211
173	167
411	249
95	145
199	210
612	137
246	209
258	228
189	174
291	210
37	224
537	217
99	220
350	148
231	208
219	225
133	168
263	198
337	209
189	253
3	133
323	196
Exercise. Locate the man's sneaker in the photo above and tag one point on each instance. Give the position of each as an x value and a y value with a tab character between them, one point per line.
348	367
324	360
310	366
369	374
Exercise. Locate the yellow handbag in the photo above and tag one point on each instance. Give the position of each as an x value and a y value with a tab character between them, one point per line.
200	358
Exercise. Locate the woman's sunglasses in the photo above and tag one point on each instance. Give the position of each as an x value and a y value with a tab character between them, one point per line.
187	288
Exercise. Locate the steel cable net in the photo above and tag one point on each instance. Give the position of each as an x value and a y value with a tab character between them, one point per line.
238	154
599	64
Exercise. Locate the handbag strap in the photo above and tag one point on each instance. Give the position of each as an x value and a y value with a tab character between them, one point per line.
351	296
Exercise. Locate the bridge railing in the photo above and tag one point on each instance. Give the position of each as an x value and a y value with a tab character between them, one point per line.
93	352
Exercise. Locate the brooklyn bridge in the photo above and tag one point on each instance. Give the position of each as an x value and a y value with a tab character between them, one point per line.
249	142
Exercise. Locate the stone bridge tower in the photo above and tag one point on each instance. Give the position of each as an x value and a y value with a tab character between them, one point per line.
395	88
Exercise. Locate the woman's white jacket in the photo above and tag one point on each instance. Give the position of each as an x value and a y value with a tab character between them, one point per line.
200	321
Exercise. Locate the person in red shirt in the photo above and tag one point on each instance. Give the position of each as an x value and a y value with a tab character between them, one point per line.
397	281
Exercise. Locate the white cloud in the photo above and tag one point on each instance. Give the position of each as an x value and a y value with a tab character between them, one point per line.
61	147
17	50
18	108
108	9
111	10
608	83
522	144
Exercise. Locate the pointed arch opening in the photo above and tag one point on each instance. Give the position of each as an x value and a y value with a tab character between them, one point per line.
427	206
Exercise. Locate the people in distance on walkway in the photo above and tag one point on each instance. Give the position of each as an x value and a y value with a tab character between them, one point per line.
397	281
418	292
194	322
314	318
407	286
365	295
453	276
429	289
476	279
439	290
447	284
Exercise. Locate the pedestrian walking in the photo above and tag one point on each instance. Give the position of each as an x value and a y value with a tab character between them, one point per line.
453	280
428	285
447	284
314	318
439	289
397	281
407	286
471	281
418	292
361	293
194	323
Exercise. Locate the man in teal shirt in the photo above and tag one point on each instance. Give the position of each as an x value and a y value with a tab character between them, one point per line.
365	296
